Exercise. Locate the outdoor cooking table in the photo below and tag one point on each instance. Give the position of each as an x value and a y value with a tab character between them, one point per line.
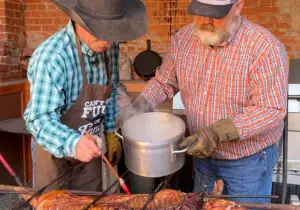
14	125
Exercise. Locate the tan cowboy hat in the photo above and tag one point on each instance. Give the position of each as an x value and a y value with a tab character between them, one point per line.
110	20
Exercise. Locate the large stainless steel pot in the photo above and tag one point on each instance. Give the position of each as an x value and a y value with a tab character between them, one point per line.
151	144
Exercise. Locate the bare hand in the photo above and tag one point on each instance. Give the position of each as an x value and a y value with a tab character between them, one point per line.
86	149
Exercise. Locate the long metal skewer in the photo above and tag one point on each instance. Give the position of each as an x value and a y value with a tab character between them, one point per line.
159	187
20	206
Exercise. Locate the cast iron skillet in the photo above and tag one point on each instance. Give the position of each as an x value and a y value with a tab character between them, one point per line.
146	62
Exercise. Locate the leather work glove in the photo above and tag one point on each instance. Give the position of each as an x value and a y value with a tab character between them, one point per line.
114	148
205	141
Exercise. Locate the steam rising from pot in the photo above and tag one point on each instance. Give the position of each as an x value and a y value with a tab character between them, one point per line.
126	107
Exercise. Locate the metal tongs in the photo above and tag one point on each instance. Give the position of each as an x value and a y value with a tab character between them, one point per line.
202	193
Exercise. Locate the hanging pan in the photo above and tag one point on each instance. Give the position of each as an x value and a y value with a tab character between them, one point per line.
146	62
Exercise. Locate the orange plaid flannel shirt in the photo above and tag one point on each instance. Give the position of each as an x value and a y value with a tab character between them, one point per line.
245	79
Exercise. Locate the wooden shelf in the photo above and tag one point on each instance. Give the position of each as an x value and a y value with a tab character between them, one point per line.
134	86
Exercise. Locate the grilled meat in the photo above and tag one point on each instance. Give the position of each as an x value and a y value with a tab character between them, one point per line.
165	199
61	200
221	204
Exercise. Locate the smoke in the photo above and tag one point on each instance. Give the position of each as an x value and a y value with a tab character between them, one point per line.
127	108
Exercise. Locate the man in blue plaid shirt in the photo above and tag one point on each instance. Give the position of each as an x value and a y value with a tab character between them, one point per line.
74	80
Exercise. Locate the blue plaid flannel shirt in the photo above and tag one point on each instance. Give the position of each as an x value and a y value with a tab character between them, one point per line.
56	80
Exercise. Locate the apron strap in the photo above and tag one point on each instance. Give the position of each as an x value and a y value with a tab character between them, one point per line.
81	59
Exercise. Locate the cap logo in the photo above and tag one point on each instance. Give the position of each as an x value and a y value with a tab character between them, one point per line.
217	2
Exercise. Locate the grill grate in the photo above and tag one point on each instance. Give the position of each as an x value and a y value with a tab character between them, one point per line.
97	198
277	190
164	184
77	167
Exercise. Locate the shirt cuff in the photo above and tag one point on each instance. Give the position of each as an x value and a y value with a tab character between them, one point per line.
110	130
70	146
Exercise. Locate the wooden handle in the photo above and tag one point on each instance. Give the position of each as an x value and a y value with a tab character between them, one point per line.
6	165
10	170
110	166
105	159
148	44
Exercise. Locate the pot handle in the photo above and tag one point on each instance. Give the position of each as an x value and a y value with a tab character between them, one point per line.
174	152
180	151
119	135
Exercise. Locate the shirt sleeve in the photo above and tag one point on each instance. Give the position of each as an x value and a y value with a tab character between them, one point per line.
112	106
43	114
268	97
164	85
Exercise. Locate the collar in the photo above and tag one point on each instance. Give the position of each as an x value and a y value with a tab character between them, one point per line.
239	22
85	49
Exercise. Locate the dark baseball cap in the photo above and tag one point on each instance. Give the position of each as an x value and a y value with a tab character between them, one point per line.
216	9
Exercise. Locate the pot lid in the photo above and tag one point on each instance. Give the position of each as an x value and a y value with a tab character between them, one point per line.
153	128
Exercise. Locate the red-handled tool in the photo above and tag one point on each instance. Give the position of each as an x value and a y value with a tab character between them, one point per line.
122	183
10	170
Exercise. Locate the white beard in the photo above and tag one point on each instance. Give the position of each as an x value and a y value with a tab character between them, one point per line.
208	38
213	36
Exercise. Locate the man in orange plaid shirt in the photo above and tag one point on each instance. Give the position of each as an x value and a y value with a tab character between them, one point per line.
232	76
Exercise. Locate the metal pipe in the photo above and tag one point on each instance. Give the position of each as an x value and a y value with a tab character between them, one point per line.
241	196
7	189
284	157
271	206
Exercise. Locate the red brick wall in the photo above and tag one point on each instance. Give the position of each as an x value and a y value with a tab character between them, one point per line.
42	19
281	17
12	39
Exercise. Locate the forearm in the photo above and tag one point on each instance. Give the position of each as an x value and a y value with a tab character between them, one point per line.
53	136
256	120
155	92
164	85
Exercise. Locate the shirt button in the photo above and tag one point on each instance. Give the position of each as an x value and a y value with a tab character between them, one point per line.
201	112
205	93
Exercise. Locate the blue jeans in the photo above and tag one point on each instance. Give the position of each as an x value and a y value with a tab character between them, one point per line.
250	175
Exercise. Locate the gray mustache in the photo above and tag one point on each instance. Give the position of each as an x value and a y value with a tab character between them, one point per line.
207	27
